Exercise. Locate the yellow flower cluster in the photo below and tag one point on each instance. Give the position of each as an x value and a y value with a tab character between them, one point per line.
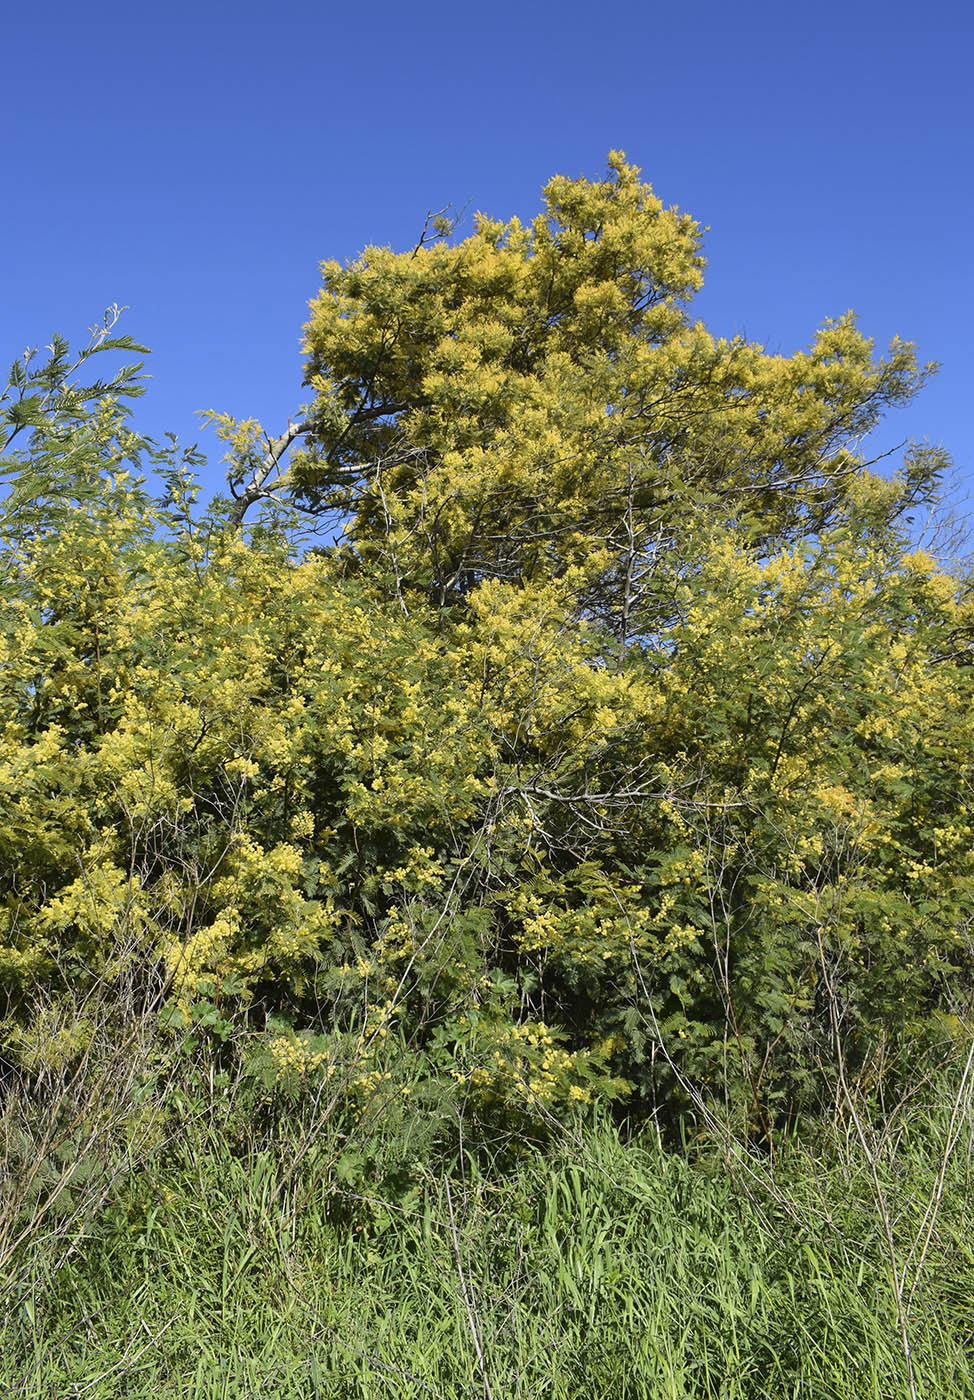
204	952
294	1056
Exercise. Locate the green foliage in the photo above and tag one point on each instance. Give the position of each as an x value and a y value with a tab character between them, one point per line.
670	805
603	1268
43	400
480	850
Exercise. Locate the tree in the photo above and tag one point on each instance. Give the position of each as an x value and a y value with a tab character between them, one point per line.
535	398
58	435
622	747
465	857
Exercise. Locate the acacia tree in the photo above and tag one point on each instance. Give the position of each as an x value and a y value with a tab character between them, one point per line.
60	429
704	859
535	398
722	869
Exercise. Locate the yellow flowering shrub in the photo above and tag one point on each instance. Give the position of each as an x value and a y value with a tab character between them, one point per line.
622	746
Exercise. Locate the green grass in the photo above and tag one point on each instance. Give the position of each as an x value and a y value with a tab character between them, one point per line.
218	1270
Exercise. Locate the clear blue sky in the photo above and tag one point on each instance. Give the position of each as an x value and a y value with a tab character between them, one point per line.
197	162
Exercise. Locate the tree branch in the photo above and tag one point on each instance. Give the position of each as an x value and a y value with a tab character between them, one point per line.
256	488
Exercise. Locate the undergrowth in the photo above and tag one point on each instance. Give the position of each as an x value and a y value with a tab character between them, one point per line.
243	1245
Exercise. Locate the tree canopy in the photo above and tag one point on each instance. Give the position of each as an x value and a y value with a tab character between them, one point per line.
620	746
536	398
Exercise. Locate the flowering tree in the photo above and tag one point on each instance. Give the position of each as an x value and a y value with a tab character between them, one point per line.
621	747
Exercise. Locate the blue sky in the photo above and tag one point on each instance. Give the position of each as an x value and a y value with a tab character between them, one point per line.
197	162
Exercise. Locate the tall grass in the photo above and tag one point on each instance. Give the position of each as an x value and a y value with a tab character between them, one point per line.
292	1262
171	1227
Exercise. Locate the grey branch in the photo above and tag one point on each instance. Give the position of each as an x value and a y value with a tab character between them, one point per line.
257	487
